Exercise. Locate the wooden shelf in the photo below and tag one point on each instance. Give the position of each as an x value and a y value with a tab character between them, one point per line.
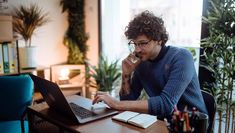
65	86
39	71
76	80
39	68
9	74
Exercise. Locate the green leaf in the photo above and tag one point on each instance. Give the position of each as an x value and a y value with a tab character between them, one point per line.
106	74
219	50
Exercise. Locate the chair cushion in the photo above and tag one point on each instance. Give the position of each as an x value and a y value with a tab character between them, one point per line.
12	127
15	95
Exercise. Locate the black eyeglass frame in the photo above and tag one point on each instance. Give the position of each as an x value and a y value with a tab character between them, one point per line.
140	44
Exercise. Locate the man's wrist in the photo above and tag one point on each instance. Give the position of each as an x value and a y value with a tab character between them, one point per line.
117	105
126	76
124	91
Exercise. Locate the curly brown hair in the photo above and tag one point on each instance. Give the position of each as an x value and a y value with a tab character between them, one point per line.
146	23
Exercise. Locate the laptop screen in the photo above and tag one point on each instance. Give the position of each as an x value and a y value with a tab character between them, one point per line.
52	95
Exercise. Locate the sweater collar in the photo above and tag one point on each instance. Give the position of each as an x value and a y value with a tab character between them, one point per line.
161	54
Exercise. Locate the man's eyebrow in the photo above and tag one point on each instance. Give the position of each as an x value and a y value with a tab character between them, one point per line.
142	41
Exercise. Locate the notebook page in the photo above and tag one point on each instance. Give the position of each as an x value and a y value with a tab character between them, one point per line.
125	116
143	120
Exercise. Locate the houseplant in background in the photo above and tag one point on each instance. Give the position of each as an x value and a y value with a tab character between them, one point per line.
106	76
221	58
75	37
26	19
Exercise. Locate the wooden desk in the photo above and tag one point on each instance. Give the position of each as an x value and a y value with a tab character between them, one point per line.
59	123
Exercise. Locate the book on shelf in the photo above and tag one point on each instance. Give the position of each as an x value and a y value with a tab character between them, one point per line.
5	57
12	57
135	118
1	60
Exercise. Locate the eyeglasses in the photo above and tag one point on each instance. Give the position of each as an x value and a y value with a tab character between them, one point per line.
132	45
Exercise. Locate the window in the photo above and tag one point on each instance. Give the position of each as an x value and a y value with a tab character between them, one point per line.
182	20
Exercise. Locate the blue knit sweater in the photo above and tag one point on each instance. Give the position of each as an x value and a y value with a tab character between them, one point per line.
169	80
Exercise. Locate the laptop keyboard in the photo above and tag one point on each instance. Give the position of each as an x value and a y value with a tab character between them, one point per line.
80	111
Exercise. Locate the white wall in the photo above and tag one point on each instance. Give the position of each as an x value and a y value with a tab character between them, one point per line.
49	38
91	14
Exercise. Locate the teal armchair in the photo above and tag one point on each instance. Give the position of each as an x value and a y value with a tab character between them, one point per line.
15	95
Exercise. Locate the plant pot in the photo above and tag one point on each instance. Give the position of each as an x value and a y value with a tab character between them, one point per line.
27	56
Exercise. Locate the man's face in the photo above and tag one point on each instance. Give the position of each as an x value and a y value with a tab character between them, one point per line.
145	48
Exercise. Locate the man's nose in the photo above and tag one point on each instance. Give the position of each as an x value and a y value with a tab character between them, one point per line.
137	49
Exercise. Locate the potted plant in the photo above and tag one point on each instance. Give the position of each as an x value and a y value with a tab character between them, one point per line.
220	59
106	76
25	21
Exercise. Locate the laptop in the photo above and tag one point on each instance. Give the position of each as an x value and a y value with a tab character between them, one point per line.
79	109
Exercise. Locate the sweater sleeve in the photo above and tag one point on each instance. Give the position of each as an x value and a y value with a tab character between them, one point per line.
135	90
181	72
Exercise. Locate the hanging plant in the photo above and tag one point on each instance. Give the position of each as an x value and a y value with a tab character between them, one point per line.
75	37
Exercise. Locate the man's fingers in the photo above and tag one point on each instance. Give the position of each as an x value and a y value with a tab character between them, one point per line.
94	100
127	62
101	93
97	99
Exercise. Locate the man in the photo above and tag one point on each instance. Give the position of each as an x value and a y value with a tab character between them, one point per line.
166	73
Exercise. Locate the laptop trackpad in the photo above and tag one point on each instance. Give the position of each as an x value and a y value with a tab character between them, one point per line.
100	108
87	104
99	105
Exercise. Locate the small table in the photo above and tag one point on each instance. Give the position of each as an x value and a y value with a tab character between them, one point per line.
42	119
